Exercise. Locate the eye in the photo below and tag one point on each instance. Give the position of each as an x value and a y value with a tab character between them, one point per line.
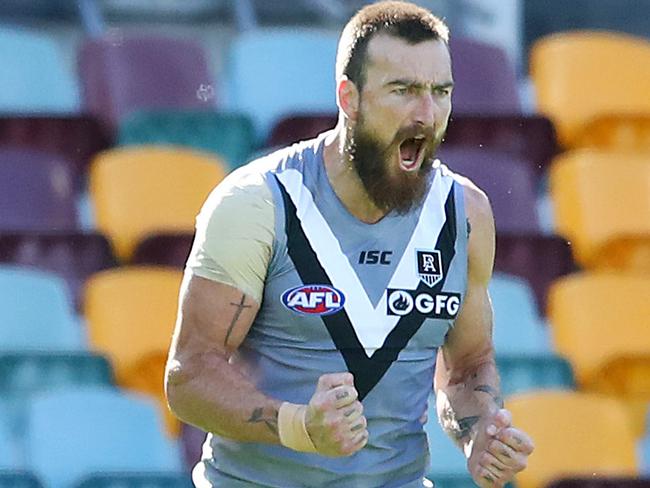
443	91
402	90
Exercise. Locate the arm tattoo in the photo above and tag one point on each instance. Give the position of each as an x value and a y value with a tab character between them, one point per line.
240	307
465	426
492	392
270	421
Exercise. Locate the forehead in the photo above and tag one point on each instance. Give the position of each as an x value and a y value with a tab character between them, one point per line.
391	57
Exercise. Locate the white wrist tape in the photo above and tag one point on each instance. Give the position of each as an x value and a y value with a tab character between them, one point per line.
292	429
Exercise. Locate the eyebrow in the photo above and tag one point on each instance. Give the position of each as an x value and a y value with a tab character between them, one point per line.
417	84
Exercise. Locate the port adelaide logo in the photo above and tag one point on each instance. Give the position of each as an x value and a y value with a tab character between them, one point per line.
441	305
314	299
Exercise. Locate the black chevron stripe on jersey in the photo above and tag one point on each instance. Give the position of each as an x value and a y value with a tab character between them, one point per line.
367	371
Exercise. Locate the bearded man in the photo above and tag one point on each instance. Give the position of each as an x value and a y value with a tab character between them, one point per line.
335	284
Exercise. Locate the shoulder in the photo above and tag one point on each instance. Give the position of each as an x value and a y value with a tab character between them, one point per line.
481	245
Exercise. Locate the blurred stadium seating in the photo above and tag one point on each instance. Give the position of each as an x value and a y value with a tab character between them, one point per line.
118	117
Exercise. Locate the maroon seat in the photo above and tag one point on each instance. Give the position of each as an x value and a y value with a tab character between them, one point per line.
75	138
73	256
121	75
602	482
531	138
539	259
36	191
164	250
192	439
299	127
485	81
509	182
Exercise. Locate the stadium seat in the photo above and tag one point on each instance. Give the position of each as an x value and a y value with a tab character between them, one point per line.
36	191
8	453
575	434
74	256
228	135
18	479
146	190
24	374
617	132
36	312
136	334
603	482
572	87
125	480
588	190
34	78
164	250
518	329
521	373
75	138
509	182
583	309
484	79
120	75
77	433
257	86
538	259
299	127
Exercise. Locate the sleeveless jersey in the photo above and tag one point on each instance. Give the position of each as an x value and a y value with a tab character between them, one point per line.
342	295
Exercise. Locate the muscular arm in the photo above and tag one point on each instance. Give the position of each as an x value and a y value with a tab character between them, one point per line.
466	382
203	387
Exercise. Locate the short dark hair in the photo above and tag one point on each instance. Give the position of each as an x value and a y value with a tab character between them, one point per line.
401	19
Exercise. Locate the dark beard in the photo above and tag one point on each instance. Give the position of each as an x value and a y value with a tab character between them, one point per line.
400	192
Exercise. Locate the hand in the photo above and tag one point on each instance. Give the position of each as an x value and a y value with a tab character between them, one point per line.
499	451
334	418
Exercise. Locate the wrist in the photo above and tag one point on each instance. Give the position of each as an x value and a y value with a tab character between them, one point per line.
292	429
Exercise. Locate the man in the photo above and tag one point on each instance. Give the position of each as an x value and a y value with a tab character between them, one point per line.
328	281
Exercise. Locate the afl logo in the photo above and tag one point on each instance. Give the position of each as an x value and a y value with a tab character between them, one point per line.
314	299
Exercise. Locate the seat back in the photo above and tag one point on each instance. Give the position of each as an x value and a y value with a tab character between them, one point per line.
145	190
587	188
575	434
597	317
36	312
256	85
572	87
228	135
120	75
34	78
484	78
509	182
37	191
124	430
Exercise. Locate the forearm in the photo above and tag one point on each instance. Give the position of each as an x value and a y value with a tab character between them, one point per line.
465	398
209	392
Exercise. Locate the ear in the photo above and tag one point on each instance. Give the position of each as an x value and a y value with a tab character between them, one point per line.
347	98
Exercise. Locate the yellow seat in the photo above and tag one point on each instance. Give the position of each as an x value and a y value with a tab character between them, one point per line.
601	323
575	434
130	314
602	205
144	190
580	76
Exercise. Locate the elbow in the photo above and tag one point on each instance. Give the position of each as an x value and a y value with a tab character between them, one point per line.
176	382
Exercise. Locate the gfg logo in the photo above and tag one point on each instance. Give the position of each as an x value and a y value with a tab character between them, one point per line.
441	305
314	299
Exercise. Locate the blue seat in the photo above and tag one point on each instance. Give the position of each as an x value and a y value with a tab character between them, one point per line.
34	78
518	328
273	72
149	480
9	458
521	373
36	312
74	434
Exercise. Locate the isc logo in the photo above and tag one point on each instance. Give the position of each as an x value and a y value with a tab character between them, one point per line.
375	257
314	299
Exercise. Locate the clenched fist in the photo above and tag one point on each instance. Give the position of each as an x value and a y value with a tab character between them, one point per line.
334	417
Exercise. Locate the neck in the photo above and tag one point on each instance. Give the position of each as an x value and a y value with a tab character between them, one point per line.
344	179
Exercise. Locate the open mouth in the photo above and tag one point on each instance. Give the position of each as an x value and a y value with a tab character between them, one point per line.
411	153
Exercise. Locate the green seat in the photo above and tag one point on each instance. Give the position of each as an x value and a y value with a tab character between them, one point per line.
229	135
452	481
25	373
18	479
130	480
521	373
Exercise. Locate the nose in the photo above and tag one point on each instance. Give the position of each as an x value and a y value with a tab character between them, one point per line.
425	110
